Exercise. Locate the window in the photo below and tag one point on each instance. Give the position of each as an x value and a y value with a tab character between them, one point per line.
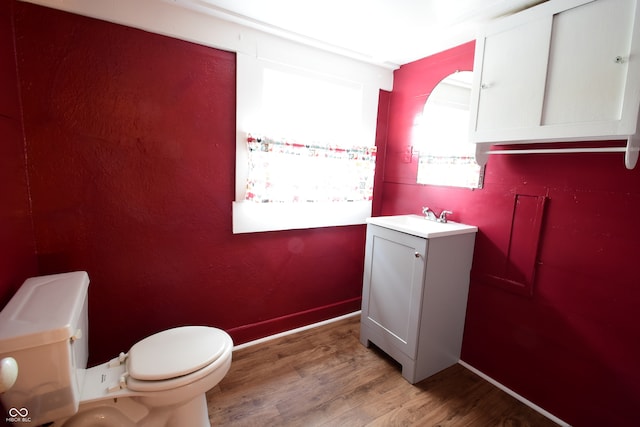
441	136
305	148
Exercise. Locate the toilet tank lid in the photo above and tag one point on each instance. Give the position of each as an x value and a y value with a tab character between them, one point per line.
44	310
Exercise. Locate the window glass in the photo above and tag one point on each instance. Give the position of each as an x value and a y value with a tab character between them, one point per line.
310	109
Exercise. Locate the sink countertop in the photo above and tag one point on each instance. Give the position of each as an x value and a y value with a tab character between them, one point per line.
420	226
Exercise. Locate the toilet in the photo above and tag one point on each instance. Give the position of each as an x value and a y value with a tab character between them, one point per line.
160	381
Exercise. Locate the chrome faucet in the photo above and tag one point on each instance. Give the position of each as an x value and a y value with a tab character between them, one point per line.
429	214
443	216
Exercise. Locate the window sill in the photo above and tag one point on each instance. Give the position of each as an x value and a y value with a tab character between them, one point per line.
249	217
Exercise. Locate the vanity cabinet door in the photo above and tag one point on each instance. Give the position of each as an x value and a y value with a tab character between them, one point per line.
393	286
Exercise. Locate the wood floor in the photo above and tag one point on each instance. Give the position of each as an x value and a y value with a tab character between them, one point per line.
325	377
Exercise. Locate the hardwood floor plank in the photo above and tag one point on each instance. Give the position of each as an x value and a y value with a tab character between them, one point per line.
325	377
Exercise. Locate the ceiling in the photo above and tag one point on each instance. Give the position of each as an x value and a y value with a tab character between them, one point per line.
388	32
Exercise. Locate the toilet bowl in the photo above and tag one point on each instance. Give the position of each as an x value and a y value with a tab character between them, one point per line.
160	381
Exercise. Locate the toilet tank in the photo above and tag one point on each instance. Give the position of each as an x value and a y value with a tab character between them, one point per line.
44	327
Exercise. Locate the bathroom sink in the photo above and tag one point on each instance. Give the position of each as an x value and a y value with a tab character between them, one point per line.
420	226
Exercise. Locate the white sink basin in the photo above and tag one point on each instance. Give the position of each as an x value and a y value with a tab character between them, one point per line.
420	226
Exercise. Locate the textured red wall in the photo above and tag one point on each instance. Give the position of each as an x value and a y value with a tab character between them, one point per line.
131	147
572	347
17	250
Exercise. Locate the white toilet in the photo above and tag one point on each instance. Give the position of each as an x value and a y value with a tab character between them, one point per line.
161	381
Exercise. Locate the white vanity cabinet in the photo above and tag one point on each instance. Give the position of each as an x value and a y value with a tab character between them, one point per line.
415	294
565	70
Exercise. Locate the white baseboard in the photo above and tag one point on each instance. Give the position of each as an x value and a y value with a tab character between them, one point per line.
514	394
293	331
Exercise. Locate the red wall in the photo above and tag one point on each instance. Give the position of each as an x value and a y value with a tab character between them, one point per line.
17	250
572	346
131	147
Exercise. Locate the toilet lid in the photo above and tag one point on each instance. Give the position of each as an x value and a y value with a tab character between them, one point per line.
175	352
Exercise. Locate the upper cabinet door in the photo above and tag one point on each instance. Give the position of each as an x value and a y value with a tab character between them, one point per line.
565	70
512	76
588	63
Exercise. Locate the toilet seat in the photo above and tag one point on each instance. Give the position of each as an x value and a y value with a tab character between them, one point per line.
175	357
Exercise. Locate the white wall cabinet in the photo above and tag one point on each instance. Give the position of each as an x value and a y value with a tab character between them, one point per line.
415	297
565	70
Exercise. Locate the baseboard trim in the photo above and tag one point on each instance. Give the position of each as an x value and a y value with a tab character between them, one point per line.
275	325
296	330
514	394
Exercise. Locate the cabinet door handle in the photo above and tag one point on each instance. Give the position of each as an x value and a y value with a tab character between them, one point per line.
416	254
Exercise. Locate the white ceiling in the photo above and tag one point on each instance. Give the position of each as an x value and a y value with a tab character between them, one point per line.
391	32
